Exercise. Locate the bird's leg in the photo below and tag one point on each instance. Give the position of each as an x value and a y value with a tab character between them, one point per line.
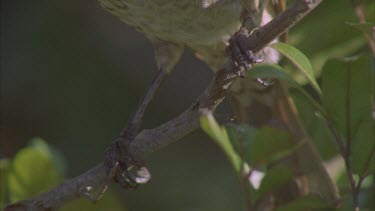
239	49
122	167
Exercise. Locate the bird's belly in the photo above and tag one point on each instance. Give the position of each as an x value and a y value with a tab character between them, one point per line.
191	22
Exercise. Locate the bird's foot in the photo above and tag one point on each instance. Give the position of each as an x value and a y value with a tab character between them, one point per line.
240	52
122	168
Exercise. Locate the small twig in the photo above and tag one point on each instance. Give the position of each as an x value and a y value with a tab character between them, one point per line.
346	156
135	121
337	138
368	161
358	10
92	183
148	141
353	186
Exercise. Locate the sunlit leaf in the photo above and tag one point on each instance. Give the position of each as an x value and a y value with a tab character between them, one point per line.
57	157
300	61
32	172
220	136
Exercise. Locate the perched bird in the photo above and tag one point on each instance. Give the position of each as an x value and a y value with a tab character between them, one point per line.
205	27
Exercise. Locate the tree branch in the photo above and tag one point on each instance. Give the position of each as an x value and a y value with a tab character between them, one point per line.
93	183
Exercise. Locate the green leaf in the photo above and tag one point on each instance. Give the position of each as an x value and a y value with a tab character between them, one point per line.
315	123
271	71
57	157
220	136
323	34
363	149
275	178
362	27
239	136
32	172
275	71
300	61
268	144
348	91
304	203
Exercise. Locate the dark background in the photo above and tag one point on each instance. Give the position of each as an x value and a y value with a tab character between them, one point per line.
72	74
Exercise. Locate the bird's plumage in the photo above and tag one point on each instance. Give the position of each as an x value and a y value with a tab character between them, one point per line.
192	22
201	25
205	26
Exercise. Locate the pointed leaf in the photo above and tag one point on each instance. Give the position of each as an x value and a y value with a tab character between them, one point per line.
271	71
348	92
363	148
57	157
300	61
32	172
316	125
275	71
220	136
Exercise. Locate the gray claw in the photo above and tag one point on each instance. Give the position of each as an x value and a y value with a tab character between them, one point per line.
243	59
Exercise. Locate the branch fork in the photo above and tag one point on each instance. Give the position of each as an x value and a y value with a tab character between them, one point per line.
126	154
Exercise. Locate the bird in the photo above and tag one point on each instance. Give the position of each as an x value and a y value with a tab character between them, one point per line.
206	27
203	26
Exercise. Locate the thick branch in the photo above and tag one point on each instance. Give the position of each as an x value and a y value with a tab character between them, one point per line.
93	183
188	120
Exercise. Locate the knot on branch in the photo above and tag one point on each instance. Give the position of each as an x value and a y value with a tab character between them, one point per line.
122	168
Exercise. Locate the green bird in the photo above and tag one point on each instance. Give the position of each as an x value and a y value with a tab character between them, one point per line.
205	27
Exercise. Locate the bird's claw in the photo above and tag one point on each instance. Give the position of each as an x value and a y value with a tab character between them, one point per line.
241	54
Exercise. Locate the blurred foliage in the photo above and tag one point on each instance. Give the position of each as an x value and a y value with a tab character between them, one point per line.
32	172
348	99
35	169
324	33
342	119
72	74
